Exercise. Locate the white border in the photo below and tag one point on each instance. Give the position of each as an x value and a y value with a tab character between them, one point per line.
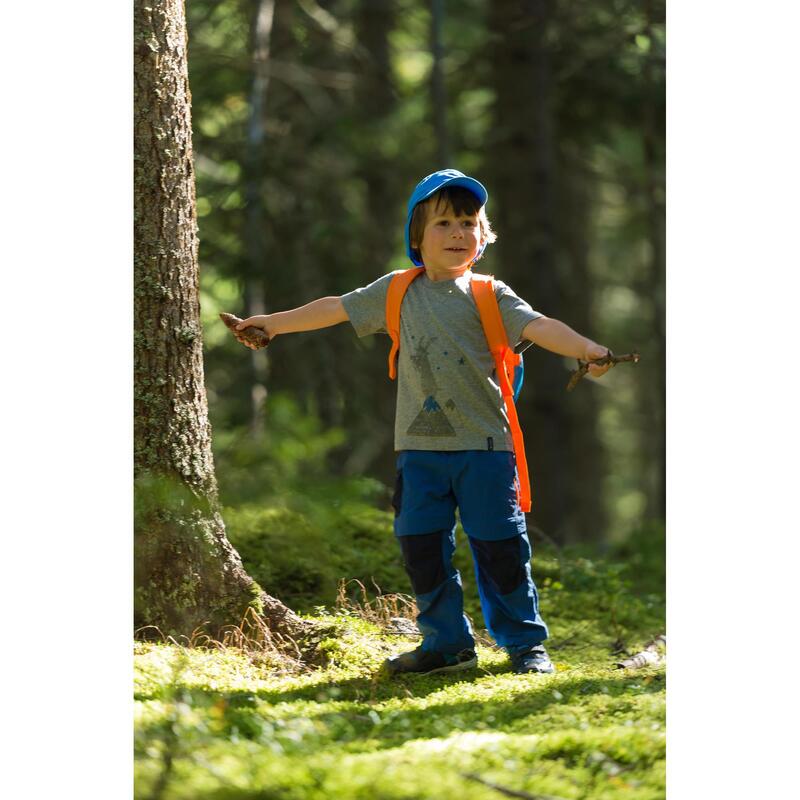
66	420
732	217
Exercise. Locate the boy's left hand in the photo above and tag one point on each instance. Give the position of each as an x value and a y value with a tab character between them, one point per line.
592	353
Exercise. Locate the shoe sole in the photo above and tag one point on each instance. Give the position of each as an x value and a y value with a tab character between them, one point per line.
473	662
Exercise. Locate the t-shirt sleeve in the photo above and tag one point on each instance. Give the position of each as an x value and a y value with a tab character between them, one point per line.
515	311
366	307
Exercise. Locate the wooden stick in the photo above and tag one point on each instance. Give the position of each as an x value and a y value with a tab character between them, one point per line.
254	336
583	366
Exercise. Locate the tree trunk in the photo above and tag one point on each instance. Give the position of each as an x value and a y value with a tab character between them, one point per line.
438	90
654	394
187	574
587	515
370	415
256	220
524	177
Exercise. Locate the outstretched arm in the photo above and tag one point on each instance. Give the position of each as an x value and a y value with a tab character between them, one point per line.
320	313
555	336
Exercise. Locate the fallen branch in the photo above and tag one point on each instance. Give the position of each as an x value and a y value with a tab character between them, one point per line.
250	334
509	792
583	366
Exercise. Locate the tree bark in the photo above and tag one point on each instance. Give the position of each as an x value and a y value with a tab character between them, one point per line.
187	574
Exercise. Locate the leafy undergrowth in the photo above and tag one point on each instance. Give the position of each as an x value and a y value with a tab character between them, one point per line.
218	724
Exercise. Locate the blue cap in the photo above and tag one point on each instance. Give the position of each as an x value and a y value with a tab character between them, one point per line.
435	181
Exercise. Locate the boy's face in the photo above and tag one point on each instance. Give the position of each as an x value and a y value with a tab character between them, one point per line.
449	243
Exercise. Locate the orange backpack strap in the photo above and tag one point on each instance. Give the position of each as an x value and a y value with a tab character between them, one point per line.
505	359
398	286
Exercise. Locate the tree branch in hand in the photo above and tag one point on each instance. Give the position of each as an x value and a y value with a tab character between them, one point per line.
583	366
251	335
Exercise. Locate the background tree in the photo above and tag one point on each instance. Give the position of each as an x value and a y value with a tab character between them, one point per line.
438	91
256	222
186	571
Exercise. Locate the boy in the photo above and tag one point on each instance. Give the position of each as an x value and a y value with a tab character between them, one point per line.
451	429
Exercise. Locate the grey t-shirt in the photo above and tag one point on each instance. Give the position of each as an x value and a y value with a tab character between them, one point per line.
448	397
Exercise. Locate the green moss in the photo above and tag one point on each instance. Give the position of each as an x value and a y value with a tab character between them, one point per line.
256	603
186	335
348	731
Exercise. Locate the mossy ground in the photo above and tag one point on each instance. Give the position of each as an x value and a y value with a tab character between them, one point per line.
216	724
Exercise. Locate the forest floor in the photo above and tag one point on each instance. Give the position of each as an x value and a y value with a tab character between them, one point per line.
222	724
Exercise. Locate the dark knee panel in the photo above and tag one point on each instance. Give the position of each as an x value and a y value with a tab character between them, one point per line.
397	497
501	563
423	560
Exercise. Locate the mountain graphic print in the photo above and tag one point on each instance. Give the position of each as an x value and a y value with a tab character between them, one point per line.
431	420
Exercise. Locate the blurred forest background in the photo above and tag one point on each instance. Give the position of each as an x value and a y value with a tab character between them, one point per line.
313	121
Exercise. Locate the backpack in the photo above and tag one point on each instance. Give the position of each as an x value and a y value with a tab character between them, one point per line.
508	360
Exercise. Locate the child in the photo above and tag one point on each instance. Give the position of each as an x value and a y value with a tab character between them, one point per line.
451	429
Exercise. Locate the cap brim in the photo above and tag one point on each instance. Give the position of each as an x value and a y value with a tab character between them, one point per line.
474	186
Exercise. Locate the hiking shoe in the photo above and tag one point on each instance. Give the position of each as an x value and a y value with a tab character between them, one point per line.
426	662
535	659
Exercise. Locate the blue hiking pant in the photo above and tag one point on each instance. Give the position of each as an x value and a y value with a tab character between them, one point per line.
482	485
